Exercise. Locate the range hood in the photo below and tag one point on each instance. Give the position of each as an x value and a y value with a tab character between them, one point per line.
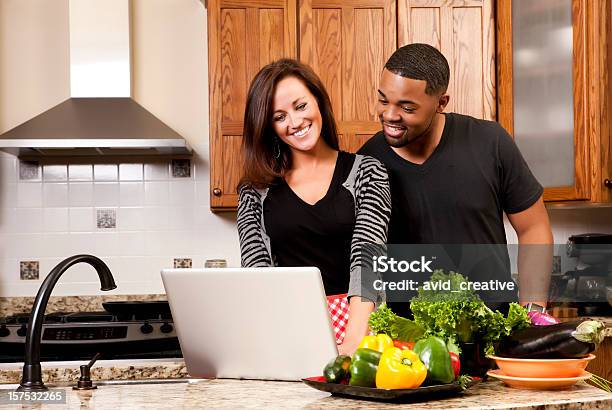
100	117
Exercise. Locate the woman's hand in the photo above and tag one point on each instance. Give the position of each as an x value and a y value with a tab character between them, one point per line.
357	326
349	346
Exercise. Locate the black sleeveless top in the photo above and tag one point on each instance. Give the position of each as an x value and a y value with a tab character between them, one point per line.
314	235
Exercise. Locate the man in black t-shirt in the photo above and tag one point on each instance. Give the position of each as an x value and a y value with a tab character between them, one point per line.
453	176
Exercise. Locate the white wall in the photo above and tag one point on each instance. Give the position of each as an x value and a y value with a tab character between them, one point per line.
159	217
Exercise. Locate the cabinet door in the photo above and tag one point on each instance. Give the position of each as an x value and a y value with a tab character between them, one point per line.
464	31
564	140
347	44
243	36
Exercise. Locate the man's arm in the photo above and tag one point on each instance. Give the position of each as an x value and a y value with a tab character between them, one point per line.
535	252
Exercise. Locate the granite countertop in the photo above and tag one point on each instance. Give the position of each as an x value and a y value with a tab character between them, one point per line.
130	369
231	394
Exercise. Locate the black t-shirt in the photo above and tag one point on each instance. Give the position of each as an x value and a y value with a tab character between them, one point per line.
314	235
458	195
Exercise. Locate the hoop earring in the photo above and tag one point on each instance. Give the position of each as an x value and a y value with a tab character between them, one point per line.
276	149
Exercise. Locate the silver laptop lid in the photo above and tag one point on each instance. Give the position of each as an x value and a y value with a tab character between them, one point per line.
252	323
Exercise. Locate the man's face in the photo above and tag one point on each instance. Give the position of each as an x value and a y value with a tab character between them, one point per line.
405	110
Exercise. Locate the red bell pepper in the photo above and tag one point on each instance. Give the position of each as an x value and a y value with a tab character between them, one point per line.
455	363
403	345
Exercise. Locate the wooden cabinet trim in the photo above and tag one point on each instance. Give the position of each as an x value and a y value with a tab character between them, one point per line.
242	4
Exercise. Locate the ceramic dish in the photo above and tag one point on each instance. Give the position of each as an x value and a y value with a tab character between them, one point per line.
547	368
356	392
543	383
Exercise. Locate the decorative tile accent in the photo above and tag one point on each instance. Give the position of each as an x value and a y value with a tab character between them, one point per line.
29	270
29	170
181	168
106	218
180	263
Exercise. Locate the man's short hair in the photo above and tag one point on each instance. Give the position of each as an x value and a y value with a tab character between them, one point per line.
421	62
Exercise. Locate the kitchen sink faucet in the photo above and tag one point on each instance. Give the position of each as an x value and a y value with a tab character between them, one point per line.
31	380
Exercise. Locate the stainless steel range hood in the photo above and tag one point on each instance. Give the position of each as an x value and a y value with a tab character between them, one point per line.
100	118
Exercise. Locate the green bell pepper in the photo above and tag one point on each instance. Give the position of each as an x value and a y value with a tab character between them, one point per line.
434	354
363	367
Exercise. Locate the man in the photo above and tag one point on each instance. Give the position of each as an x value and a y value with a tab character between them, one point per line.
453	176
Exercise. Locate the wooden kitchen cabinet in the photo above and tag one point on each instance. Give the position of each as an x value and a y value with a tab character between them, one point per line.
590	148
464	31
243	36
347	43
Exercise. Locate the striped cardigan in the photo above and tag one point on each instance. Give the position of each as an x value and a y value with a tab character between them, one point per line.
368	183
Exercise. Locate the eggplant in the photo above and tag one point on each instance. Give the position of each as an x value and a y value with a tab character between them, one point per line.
566	340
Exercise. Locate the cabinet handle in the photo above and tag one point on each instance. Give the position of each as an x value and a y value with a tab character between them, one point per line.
608	183
217	192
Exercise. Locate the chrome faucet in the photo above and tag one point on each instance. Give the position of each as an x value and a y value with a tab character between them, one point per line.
31	380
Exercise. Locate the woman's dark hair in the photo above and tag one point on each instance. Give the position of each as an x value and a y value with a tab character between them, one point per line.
261	168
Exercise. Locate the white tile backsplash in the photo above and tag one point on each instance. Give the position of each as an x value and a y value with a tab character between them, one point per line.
30	220
55	195
106	194
8	220
29	194
180	217
156	218
157	171
131	172
80	172
55	173
8	169
131	194
82	219
182	192
81	194
56	220
131	219
156	193
106	172
8	193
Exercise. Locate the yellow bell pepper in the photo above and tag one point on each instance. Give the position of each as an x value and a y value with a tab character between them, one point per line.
380	342
400	369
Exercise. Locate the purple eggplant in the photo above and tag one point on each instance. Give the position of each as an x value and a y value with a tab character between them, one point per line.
566	340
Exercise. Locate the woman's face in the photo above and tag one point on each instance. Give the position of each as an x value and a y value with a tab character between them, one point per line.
295	115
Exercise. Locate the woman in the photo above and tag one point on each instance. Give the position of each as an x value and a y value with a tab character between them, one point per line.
303	202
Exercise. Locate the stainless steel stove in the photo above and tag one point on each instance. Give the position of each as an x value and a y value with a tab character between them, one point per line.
79	336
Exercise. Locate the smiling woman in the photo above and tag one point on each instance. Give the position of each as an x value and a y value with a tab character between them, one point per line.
302	201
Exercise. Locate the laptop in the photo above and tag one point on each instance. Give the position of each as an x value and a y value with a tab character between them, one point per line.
251	323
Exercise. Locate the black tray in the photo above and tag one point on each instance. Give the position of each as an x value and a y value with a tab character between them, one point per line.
433	392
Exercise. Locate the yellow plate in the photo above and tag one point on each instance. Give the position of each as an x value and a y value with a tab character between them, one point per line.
538	383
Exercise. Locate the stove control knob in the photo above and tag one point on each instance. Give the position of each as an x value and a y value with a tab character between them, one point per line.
22	331
4	331
166	328
146	328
